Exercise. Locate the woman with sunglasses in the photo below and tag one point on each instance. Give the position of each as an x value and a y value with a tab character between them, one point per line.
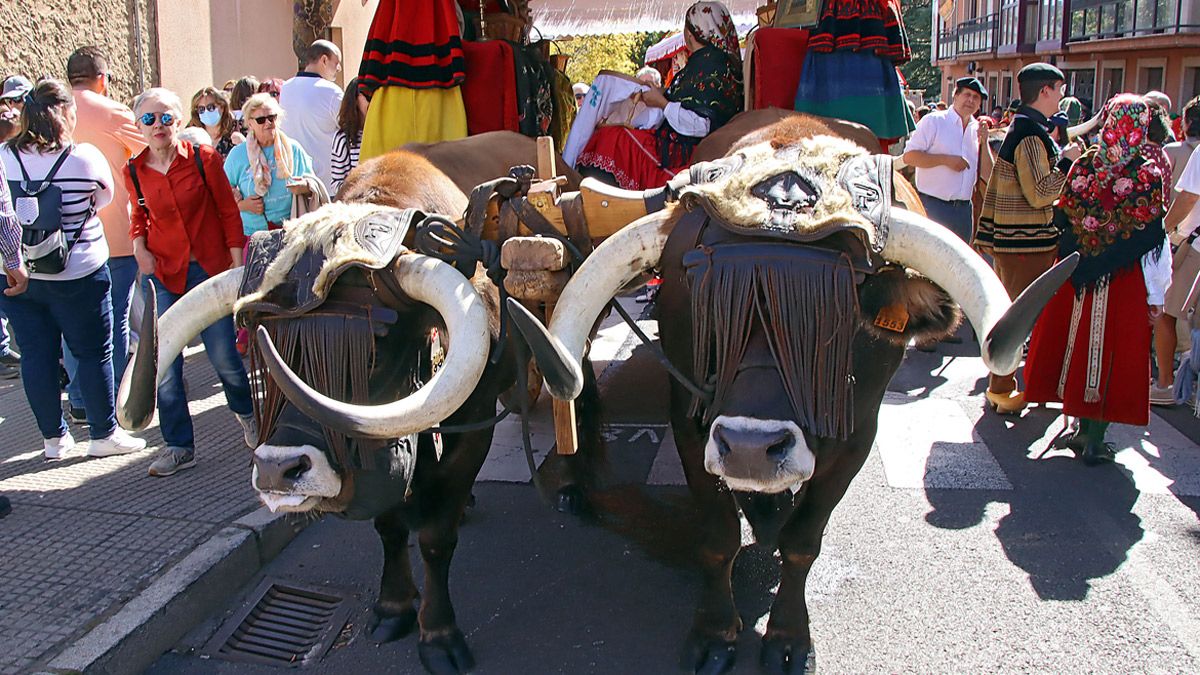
268	168
210	111
185	229
272	86
72	305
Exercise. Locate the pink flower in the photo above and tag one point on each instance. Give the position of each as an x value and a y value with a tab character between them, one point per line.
1090	223
1123	186
1079	184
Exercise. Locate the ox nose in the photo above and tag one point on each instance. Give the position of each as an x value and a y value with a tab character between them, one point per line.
749	442
280	475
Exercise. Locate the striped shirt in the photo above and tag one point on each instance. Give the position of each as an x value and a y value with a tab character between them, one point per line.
343	159
87	186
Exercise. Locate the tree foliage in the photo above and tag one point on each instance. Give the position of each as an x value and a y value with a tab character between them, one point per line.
590	54
920	71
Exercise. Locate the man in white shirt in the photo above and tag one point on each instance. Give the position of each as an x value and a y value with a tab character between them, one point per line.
310	103
1183	227
945	150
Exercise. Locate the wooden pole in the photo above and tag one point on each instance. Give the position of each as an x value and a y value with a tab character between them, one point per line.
566	440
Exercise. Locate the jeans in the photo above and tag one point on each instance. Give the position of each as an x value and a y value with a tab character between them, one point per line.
79	313
956	216
173	415
123	272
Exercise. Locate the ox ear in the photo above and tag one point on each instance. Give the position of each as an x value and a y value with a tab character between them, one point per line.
899	305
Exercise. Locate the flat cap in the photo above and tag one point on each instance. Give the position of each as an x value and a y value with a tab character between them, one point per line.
1043	72
971	83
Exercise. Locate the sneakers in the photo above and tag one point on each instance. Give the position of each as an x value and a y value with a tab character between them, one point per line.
117	443
172	460
249	429
53	448
11	358
1161	395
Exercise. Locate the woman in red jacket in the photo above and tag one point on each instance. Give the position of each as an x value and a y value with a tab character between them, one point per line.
185	228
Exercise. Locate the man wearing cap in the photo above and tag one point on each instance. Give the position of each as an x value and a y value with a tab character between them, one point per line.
950	152
1015	225
110	127
12	100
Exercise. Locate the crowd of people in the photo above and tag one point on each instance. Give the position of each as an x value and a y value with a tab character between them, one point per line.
1121	192
95	194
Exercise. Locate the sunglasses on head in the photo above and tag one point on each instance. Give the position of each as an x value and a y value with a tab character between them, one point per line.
148	119
266	118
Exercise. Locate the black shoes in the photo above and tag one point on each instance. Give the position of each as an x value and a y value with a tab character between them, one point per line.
1097	452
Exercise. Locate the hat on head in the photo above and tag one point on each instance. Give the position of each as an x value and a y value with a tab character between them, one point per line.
1073	108
1060	119
16	87
580	89
971	83
1014	105
1039	72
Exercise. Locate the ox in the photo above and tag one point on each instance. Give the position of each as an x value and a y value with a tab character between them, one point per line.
792	288
344	367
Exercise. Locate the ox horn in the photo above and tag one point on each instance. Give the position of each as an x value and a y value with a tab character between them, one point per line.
1083	128
933	250
559	352
196	310
442	287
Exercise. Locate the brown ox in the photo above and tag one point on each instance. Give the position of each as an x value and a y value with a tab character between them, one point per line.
791	295
475	160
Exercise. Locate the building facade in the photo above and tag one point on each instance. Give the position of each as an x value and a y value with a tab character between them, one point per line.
1103	47
179	44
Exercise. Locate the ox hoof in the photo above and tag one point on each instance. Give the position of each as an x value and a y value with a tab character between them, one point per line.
780	657
706	656
572	500
448	655
384	628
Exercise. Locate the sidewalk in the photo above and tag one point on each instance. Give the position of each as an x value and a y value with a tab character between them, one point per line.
88	536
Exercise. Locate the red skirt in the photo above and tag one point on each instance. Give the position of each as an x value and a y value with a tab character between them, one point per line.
630	155
414	44
1124	362
861	25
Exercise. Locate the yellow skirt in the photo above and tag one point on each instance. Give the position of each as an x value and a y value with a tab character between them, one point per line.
400	115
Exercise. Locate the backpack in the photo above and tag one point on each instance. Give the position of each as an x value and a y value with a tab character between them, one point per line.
38	207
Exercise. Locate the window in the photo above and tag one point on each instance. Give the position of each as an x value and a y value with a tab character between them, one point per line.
1081	83
1050	25
1113	82
1150	79
1191	85
1006	93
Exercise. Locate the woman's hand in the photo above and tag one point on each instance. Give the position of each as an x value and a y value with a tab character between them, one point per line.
654	98
298	187
251	204
145	260
1156	312
236	255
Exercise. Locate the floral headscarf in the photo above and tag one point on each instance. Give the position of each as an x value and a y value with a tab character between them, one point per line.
1111	208
711	24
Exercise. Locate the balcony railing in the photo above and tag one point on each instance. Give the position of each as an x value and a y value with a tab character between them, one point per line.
1102	19
947	45
978	35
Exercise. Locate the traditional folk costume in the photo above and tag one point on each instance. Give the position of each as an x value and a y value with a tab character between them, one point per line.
1090	348
706	94
850	70
412	69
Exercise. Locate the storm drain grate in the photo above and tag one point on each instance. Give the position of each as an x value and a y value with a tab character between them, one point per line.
283	625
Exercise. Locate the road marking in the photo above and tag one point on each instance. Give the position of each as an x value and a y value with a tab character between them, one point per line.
667	469
931	443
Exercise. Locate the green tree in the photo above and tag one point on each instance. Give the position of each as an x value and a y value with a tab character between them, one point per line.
592	53
920	71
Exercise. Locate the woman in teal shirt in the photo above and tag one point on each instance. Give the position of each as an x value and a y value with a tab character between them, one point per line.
267	169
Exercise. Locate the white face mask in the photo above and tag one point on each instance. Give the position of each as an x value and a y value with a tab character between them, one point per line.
237	115
210	117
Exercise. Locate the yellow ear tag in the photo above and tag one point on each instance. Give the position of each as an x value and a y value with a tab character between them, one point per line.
893	318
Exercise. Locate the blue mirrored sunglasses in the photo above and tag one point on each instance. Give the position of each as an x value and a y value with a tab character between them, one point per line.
147	119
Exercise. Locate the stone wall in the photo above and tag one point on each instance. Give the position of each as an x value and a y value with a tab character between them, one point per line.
36	36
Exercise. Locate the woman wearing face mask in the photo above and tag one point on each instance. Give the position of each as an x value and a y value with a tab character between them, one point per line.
210	111
185	229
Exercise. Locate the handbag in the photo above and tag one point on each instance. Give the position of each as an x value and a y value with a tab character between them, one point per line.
38	207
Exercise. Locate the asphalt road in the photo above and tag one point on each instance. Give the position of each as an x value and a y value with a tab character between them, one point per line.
960	547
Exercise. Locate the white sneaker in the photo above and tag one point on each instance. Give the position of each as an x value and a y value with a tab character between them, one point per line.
249	429
119	443
53	448
1161	395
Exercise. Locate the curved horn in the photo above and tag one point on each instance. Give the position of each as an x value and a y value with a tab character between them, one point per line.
442	287
634	249
1083	128
195	310
933	250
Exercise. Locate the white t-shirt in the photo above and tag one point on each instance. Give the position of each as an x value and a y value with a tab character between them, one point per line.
86	182
1189	181
310	106
941	133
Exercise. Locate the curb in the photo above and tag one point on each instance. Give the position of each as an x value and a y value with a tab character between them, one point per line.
160	615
